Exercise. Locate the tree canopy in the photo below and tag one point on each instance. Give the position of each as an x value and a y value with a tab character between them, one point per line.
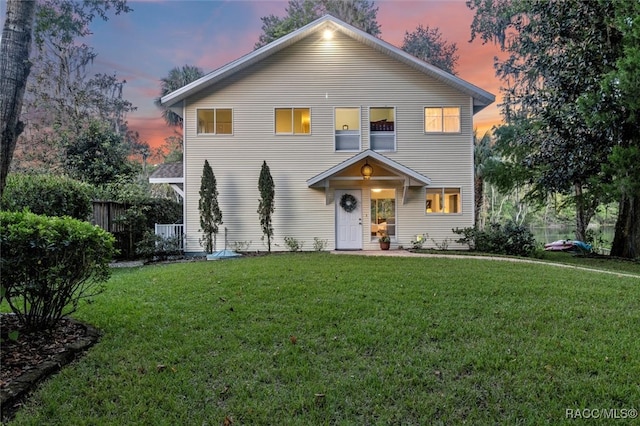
177	78
564	97
55	25
359	13
427	44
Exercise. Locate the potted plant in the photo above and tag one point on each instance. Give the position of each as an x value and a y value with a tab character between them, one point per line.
384	240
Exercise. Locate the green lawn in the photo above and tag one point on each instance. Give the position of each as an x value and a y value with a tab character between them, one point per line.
379	340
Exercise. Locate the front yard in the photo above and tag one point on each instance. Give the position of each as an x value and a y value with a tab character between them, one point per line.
315	338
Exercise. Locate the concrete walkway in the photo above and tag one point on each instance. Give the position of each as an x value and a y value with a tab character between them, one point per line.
405	253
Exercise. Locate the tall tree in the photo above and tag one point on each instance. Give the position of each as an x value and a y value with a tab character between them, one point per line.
548	44
15	47
210	214
427	44
359	13
98	155
616	109
60	95
177	78
266	206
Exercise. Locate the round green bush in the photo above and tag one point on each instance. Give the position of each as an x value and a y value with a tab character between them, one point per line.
49	264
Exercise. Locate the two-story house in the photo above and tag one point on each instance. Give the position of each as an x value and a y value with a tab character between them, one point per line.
360	137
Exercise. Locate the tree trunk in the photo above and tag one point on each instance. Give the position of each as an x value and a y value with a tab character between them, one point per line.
626	241
14	71
478	185
585	209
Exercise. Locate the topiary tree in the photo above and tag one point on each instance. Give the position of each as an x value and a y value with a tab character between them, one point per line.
210	214
266	206
49	264
48	195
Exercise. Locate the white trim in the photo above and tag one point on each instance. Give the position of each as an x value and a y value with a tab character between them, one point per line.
174	180
395	167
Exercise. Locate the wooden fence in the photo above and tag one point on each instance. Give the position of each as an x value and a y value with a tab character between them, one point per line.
105	214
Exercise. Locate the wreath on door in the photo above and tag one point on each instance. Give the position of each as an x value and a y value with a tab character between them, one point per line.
348	203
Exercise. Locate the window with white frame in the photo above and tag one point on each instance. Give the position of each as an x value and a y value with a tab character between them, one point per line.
347	129
292	121
443	200
382	128
215	121
442	119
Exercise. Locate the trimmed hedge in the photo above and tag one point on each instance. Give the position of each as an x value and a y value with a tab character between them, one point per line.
48	195
49	264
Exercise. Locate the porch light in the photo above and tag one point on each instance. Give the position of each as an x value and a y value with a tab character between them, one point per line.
328	34
366	170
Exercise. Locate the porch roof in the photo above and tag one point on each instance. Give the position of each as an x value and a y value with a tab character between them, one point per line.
401	172
168	173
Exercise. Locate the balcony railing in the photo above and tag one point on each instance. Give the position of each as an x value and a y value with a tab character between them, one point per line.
173	230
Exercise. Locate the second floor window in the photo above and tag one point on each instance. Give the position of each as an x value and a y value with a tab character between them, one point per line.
442	120
293	121
215	121
347	129
382	129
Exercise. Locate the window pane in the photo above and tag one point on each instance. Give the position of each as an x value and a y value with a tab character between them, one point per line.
301	120
433	119
451	119
452	200
443	200
205	121
383	212
224	122
284	123
347	119
383	142
382	119
434	200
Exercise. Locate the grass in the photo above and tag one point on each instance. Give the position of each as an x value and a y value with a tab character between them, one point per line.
378	340
598	262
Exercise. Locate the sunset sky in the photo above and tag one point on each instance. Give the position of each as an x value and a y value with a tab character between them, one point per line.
158	35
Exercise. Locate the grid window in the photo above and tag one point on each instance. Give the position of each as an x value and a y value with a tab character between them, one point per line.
442	119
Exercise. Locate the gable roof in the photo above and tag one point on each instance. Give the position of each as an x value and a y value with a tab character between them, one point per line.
412	178
481	98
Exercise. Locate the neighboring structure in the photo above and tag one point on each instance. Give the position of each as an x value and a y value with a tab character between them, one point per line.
360	137
171	174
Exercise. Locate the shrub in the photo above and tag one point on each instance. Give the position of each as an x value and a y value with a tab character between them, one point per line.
418	243
510	239
319	244
48	195
49	264
293	244
155	247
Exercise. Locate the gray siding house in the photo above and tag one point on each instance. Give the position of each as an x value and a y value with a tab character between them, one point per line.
361	139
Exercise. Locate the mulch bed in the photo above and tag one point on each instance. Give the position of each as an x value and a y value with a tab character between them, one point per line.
35	356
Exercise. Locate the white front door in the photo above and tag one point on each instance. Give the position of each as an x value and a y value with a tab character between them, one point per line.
348	219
